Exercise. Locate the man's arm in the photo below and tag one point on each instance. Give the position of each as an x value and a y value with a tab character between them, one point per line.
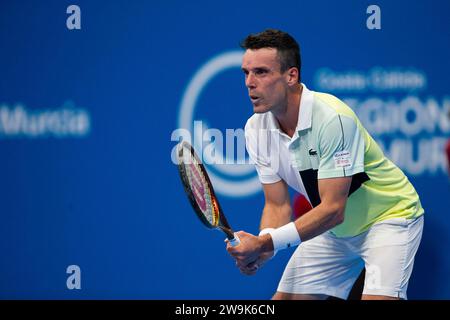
276	213
328	214
277	209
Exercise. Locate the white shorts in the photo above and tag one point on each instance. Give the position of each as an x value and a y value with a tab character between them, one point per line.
330	265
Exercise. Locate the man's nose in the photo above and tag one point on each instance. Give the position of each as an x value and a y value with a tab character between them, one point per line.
250	81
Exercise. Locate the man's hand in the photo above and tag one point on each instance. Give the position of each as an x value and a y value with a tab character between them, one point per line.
252	252
253	267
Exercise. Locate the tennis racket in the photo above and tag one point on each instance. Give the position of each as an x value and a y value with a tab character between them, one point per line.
200	192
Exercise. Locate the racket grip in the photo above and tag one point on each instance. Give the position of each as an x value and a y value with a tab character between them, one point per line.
235	241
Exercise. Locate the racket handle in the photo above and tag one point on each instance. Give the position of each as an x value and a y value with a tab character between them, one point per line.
235	241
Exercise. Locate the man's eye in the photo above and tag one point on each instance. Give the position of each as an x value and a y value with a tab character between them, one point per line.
260	72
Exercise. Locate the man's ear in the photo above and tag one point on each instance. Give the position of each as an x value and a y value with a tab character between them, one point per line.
292	76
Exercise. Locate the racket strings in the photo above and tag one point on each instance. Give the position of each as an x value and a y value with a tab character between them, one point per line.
201	191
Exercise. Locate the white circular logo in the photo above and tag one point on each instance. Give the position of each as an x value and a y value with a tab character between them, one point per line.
223	184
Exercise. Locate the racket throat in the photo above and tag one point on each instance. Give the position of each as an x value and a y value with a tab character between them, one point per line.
228	232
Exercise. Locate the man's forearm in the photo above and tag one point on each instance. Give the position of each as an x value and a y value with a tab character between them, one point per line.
313	223
275	216
320	219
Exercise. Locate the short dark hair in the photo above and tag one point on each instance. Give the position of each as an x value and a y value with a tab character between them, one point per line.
288	49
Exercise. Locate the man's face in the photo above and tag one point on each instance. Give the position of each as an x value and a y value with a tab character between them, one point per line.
267	86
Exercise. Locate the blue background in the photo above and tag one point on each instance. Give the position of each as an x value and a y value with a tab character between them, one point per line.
111	202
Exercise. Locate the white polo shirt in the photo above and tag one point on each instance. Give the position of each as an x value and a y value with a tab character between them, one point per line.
329	141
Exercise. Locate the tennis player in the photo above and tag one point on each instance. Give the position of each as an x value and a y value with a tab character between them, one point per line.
365	212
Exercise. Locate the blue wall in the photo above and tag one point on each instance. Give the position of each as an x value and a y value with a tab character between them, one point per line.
86	118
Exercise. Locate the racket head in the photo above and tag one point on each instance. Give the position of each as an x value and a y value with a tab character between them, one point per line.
197	186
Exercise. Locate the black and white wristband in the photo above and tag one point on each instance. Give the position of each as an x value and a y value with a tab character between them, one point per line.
285	236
